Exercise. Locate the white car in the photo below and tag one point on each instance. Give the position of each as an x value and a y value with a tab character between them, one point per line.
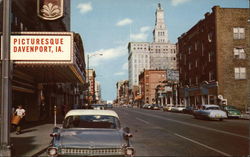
210	112
91	133
178	108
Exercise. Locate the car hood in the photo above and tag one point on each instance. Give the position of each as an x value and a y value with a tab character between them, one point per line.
91	138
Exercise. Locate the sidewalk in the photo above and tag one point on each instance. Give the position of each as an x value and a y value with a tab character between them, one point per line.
33	140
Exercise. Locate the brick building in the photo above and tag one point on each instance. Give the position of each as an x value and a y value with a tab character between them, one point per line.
214	59
148	81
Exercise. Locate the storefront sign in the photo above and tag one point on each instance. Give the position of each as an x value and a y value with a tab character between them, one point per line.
41	47
50	9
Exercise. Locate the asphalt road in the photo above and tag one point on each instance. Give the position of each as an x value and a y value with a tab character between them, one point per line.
158	133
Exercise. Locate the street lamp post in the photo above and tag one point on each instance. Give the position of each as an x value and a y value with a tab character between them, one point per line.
5	149
88	56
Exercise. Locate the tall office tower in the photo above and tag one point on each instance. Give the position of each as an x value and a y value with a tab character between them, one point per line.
160	54
160	32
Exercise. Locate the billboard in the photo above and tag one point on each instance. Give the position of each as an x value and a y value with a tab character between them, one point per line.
172	75
41	46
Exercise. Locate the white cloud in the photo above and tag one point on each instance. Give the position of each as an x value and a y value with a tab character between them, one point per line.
119	73
107	55
145	29
85	7
125	66
142	35
177	2
124	22
139	37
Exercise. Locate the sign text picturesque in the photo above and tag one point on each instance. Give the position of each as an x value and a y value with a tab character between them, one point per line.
41	47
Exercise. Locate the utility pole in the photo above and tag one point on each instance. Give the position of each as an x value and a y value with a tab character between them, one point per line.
5	147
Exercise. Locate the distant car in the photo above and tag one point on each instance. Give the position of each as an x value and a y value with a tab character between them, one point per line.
210	112
147	106
109	106
231	111
167	108
91	133
188	110
178	108
98	106
155	107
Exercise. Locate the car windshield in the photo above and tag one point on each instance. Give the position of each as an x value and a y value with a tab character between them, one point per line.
91	121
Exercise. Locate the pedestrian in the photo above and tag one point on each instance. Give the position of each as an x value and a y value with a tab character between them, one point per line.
21	113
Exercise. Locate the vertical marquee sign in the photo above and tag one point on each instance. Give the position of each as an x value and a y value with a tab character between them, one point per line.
50	9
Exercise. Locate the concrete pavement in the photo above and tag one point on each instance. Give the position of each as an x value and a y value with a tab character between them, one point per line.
32	140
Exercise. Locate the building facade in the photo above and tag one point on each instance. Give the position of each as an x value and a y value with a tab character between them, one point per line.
122	88
160	54
149	80
98	95
41	85
214	59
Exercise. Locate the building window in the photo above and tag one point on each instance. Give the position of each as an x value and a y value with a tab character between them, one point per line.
189	66
189	50
239	33
211	76
202	49
239	53
210	37
196	80
240	73
195	45
190	81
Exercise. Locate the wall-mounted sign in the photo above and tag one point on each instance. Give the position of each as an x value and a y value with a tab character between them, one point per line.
50	9
172	75
41	47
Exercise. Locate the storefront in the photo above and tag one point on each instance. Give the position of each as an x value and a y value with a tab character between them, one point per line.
45	74
206	93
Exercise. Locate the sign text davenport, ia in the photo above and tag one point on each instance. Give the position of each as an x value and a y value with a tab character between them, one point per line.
41	47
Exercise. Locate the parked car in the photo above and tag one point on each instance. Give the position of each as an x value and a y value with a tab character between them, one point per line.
147	106
167	108
98	106
178	108
210	112
188	110
155	107
91	133
109	106
231	111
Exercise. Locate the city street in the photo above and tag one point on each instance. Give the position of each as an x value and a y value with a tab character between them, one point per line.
158	133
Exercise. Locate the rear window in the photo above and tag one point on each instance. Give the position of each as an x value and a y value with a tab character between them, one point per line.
91	121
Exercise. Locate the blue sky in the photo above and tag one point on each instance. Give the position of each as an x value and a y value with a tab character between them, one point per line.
106	26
